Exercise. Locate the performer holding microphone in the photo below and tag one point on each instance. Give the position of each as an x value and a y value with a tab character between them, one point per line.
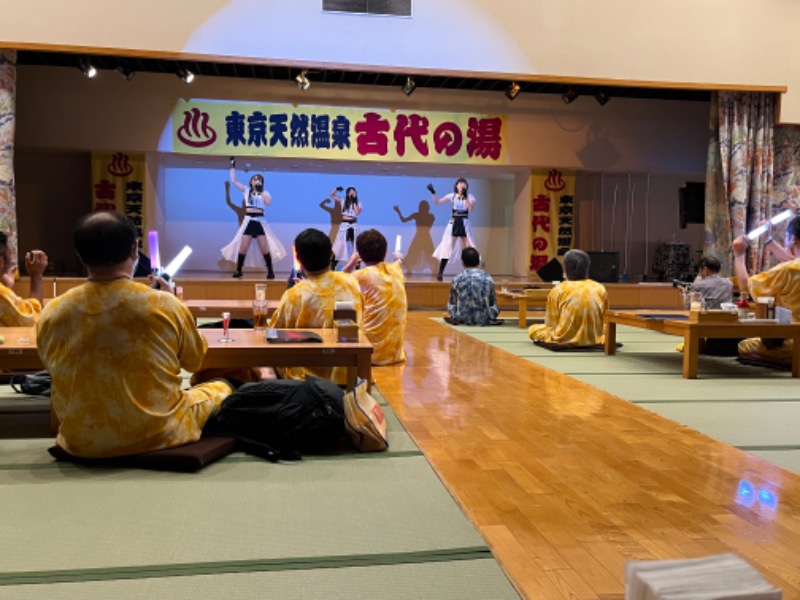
458	231
253	226
345	241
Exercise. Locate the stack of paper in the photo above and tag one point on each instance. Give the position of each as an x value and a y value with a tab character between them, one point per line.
726	576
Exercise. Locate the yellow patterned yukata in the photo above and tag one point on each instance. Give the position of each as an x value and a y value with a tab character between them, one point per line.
575	314
115	352
783	283
385	308
16	311
309	304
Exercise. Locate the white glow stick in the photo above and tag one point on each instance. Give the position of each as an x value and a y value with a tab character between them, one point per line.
779	218
178	261
152	242
297	266
398	244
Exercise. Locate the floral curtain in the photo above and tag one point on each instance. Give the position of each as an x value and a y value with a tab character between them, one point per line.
8	93
739	180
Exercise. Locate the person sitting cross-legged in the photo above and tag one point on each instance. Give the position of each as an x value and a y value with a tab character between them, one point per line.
472	295
115	348
310	302
576	307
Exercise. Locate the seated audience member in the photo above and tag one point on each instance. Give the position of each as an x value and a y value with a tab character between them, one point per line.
712	287
16	311
384	292
310	302
781	282
115	349
575	307
472	296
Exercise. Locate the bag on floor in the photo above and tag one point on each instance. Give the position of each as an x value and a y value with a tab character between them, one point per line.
365	420
282	419
32	384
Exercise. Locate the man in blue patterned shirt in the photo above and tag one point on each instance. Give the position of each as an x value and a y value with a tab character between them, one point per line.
472	298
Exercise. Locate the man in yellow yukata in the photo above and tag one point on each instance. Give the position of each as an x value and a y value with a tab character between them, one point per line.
385	304
115	349
575	308
310	302
16	311
781	282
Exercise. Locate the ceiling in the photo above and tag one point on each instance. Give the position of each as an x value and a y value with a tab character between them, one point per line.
354	77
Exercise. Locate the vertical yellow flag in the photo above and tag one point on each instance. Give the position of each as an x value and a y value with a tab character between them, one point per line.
118	184
552	215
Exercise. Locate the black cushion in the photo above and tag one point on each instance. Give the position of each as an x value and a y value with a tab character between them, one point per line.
186	458
558	347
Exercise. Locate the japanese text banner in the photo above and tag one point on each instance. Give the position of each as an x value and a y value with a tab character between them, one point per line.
552	215
118	184
324	132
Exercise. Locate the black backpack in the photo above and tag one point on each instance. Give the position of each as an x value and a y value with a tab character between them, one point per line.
282	419
33	384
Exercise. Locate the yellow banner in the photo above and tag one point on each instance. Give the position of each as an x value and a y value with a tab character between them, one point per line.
118	184
552	215
325	132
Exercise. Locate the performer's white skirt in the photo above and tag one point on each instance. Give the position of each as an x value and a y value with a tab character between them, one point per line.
340	243
253	258
443	250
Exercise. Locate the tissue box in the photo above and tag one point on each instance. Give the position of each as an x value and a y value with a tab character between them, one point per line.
713	316
346	330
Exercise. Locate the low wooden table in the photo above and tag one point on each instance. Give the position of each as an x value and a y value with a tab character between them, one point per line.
524	300
239	309
692	333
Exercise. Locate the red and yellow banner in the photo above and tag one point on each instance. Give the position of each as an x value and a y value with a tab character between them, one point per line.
552	215
325	132
118	184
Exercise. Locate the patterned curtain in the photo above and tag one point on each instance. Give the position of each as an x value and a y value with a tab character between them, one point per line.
739	172
8	201
786	183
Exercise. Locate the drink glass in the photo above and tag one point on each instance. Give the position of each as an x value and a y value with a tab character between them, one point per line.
261	291
259	315
226	321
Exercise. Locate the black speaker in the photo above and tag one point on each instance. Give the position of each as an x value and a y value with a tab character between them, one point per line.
604	266
692	203
552	271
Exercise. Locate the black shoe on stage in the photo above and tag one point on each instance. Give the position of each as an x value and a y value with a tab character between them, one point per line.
439	277
237	274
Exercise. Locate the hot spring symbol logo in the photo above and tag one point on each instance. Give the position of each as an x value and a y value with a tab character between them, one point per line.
554	182
195	131
120	165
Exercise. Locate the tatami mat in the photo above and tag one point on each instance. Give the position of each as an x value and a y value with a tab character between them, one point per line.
754	408
474	579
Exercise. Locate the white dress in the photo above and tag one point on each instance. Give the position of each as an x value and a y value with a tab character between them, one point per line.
446	249
341	249
253	258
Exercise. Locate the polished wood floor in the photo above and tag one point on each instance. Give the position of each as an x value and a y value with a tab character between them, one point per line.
566	482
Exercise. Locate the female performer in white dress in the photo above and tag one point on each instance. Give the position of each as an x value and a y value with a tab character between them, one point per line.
240	250
458	231
344	244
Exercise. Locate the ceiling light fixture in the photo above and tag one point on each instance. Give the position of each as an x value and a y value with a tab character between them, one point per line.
87	69
570	95
302	80
602	98
185	75
512	90
125	72
409	86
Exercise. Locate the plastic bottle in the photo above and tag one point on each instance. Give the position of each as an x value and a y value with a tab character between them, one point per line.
743	307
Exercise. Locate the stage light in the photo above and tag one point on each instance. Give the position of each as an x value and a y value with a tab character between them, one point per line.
87	69
569	96
512	90
602	98
126	72
409	86
185	75
302	80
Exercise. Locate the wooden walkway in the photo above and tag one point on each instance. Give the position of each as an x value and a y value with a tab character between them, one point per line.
566	482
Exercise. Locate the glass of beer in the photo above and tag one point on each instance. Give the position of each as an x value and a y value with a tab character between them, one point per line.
260	315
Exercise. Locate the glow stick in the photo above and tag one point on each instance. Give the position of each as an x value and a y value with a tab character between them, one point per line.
178	261
152	242
297	266
398	244
779	218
